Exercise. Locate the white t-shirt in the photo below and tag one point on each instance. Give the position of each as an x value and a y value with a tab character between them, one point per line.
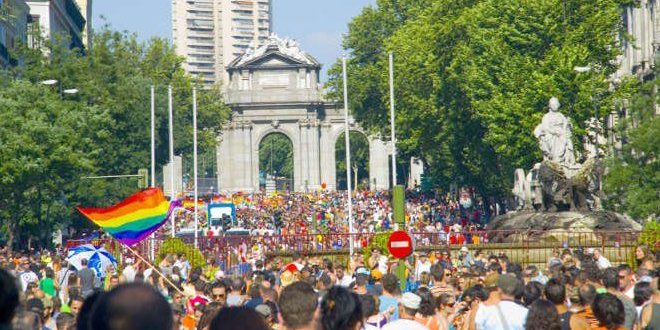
129	273
488	318
28	277
603	263
382	264
422	267
345	281
404	324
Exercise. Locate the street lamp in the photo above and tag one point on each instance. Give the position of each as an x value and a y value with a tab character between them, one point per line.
582	69
51	82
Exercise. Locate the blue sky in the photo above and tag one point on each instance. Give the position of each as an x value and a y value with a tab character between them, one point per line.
317	24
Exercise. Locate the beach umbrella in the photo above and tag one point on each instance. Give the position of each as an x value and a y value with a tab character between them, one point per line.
98	259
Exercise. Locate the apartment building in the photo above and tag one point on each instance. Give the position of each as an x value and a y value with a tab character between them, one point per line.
13	28
212	33
86	10
57	17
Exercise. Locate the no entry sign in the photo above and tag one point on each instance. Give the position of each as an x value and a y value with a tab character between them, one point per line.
400	244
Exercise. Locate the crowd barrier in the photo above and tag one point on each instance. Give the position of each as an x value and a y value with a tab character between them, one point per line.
525	247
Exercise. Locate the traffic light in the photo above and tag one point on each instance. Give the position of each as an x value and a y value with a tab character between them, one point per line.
143	178
277	219
225	222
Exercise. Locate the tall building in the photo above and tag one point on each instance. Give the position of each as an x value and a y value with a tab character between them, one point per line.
212	33
13	28
57	17
86	10
641	23
641	26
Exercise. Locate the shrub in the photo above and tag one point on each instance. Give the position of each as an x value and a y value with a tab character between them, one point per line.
650	235
379	242
175	245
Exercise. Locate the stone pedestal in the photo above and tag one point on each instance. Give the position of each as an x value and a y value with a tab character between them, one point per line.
549	226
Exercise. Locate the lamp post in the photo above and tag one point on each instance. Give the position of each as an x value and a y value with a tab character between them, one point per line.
348	159
51	82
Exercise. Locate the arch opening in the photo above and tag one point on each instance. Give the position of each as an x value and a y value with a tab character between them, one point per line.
276	162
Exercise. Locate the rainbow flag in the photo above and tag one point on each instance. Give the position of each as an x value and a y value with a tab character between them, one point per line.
189	204
134	218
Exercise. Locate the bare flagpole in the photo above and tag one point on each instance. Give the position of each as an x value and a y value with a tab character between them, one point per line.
153	160
171	129
153	137
194	95
393	139
348	160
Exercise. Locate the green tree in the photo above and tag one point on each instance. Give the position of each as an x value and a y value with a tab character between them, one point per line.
45	145
276	155
359	159
632	182
472	78
111	133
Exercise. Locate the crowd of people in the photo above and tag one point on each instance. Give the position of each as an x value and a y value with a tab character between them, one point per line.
577	289
325	211
318	221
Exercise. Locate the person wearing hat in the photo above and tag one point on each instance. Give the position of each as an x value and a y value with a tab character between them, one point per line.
466	258
361	279
408	307
375	286
423	264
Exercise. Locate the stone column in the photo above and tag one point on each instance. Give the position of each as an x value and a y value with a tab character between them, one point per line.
226	159
254	158
416	172
298	155
303	129
313	160
327	157
246	142
379	151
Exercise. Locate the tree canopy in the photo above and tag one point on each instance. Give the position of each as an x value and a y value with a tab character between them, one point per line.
632	182
276	155
473	78
50	140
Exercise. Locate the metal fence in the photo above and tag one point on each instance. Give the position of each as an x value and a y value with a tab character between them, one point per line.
524	247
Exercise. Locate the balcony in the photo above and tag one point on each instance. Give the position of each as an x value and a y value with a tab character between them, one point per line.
4	54
73	12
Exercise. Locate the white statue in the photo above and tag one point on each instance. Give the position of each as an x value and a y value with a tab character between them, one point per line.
554	134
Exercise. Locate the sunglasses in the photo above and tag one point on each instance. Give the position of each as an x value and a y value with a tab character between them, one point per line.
218	296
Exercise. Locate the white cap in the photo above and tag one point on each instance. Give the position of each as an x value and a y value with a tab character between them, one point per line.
464	249
590	250
410	300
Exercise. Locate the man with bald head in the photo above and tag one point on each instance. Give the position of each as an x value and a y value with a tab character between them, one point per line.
133	306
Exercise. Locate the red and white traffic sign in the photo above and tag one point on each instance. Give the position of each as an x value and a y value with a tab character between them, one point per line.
400	244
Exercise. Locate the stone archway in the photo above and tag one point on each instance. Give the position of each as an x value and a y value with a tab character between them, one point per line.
276	89
275	152
272	128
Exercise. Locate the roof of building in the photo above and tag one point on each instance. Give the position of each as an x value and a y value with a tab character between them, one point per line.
286	48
